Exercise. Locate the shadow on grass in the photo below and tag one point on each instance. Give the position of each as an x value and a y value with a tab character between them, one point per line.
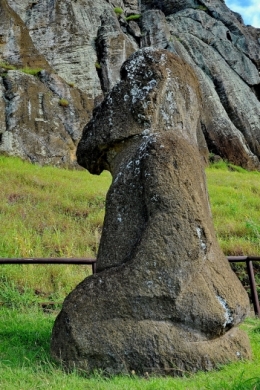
25	337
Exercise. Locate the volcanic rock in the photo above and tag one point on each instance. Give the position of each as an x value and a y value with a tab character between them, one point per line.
165	299
85	43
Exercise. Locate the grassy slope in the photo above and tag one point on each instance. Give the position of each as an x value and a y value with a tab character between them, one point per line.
25	362
53	212
235	202
49	212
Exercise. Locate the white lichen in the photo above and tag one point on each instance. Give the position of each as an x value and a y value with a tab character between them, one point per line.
129	165
29	109
149	283
155	198
227	312
139	91
203	245
146	132
118	177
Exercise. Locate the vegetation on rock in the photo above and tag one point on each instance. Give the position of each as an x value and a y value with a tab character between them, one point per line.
133	17
118	10
63	102
31	71
7	66
27	70
202	8
97	65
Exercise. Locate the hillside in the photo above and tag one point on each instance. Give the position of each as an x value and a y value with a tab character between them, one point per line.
59	59
46	211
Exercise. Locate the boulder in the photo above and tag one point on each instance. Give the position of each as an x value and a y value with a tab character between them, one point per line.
164	299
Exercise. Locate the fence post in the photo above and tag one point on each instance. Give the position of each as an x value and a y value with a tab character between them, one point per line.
254	294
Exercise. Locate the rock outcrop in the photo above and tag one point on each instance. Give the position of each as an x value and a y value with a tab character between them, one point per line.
164	299
41	118
85	44
226	59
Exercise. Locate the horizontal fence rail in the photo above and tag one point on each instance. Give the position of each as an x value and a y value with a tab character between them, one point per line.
89	261
53	260
250	271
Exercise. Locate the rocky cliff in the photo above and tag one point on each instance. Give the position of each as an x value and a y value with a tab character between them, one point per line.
59	58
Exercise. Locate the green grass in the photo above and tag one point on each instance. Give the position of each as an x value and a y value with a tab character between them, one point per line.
51	212
97	65
25	362
31	71
202	8
133	17
27	70
235	202
118	11
63	102
6	66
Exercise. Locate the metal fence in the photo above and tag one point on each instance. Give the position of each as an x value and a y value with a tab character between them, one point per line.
250	271
88	261
53	260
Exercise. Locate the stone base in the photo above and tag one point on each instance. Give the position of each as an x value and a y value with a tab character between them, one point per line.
122	346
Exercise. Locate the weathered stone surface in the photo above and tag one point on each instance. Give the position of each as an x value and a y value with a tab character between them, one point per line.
85	43
242	36
113	48
168	7
134	29
2	110
64	32
164	299
34	124
230	125
156	32
58	37
218	39
132	6
16	46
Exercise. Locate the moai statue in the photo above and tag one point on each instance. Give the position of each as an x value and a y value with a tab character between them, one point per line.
164	298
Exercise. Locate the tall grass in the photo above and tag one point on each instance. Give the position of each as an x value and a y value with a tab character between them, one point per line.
235	201
48	212
45	212
52	212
